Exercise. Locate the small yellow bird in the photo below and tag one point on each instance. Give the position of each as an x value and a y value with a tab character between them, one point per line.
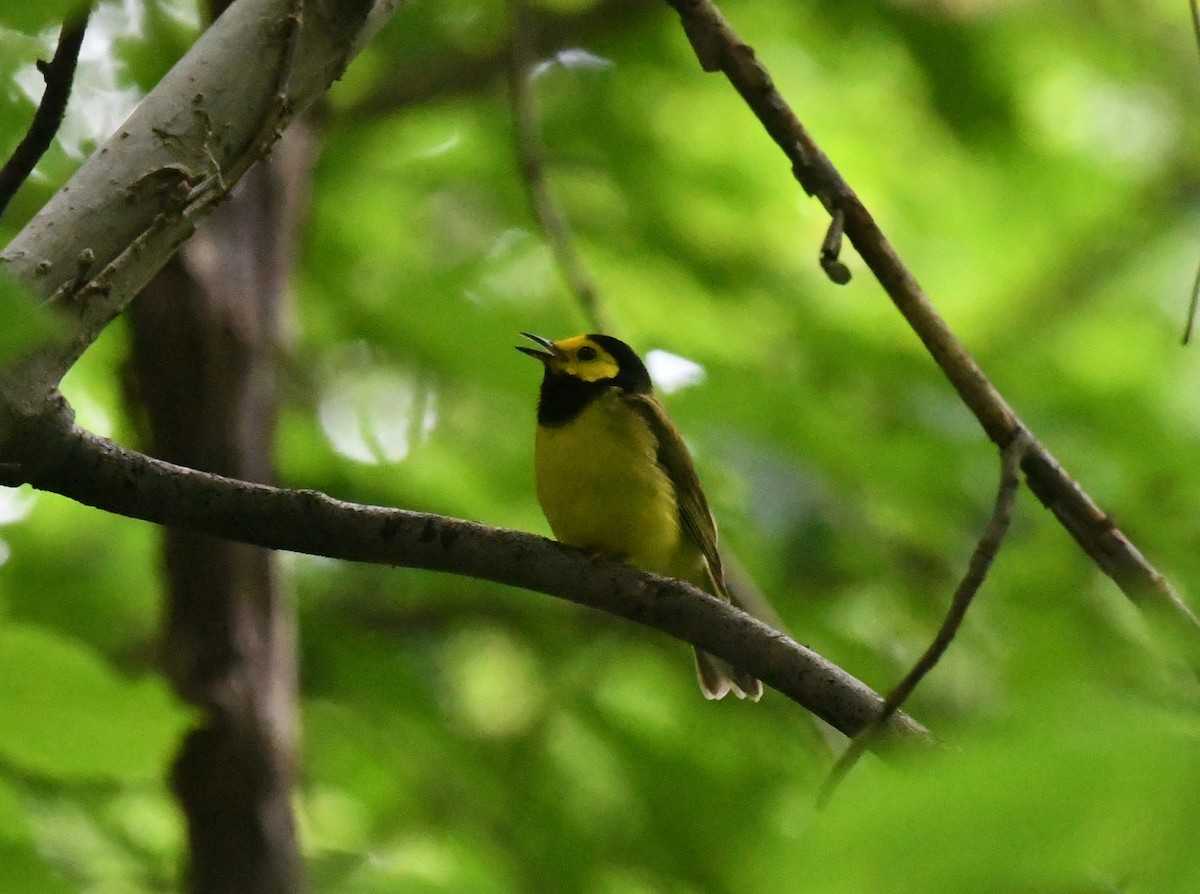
614	476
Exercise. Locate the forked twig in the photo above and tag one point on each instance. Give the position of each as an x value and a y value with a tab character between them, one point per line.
981	560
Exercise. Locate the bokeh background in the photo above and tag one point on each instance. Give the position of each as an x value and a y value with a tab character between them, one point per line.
1034	163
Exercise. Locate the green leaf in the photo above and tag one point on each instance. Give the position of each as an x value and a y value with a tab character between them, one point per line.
65	714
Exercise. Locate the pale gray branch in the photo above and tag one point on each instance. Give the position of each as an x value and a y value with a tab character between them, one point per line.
103	235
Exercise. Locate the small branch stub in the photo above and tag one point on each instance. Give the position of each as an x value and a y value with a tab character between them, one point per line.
831	249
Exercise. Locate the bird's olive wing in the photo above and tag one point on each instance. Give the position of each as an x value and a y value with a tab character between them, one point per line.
694	514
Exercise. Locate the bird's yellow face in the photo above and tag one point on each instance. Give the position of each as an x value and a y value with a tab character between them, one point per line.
580	356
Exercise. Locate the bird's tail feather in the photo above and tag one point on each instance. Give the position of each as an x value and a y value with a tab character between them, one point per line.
718	678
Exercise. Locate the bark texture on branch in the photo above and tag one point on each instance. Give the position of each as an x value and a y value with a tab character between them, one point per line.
98	473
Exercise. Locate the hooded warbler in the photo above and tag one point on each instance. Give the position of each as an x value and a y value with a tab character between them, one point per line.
614	476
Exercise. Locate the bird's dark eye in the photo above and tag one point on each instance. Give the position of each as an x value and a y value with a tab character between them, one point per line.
587	352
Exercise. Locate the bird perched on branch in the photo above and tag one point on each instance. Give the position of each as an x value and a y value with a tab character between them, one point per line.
614	476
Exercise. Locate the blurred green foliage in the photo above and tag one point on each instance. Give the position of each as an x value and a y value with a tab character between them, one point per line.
1032	162
25	323
30	18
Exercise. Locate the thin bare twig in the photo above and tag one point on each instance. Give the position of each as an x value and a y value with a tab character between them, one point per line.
981	560
531	157
1191	315
437	76
719	48
59	73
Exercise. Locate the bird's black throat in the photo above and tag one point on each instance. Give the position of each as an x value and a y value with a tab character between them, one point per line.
564	397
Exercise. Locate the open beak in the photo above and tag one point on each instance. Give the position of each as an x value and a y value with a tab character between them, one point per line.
545	350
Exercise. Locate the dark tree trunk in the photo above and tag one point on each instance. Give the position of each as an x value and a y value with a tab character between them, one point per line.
203	380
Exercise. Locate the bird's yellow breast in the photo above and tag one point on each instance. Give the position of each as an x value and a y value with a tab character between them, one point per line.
602	489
